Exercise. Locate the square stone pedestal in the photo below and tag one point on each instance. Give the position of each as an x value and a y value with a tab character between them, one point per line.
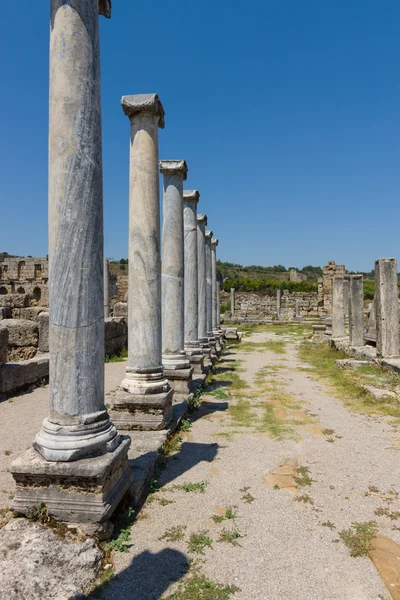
180	381
197	362
141	411
82	491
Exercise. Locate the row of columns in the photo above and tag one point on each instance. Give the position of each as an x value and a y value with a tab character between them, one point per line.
385	305
78	464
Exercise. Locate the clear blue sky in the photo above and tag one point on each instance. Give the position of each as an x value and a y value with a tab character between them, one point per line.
286	112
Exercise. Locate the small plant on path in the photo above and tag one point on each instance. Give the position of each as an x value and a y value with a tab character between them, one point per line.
358	537
174	534
199	541
197	586
230	537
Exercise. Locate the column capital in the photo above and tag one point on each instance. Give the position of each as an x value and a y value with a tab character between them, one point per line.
191	196
214	242
209	235
202	219
143	103
105	8
174	167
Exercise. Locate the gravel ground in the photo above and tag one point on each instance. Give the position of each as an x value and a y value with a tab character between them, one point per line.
286	552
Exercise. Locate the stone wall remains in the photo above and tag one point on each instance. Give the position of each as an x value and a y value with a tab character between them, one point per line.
24	276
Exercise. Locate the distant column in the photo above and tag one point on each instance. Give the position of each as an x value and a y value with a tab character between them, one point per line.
176	363
145	398
278	302
211	338
356	310
106	289
233	302
337	307
214	292
201	265
387	309
192	344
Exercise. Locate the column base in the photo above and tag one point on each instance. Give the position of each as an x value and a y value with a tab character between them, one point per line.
149	382
141	411
209	359
84	491
66	443
175	362
180	381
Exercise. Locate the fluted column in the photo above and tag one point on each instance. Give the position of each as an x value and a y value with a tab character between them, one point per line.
176	363
147	399
78	465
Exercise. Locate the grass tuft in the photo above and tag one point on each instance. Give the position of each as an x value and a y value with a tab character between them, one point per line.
358	537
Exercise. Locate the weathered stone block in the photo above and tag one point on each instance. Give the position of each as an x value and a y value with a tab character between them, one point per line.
22	332
141	411
115	335
43	322
121	309
81	491
15	300
39	549
17	353
348	363
14	376
180	381
3	345
31	313
5	313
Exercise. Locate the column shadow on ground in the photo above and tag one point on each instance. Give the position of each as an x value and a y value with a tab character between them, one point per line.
146	578
189	455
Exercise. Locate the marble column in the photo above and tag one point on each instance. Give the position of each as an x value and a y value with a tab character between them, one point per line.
202	306
106	289
387	308
192	344
176	364
144	400
78	446
221	337
233	302
338	329
209	304
356	310
214	292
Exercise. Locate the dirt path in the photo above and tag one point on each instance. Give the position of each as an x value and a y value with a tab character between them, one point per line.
251	505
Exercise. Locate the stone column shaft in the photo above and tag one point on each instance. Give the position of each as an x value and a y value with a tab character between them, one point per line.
356	310
78	466
173	305
78	425
218	306
209	284
190	200
201	265
214	294
146	398
106	289
233	302
387	309
337	307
